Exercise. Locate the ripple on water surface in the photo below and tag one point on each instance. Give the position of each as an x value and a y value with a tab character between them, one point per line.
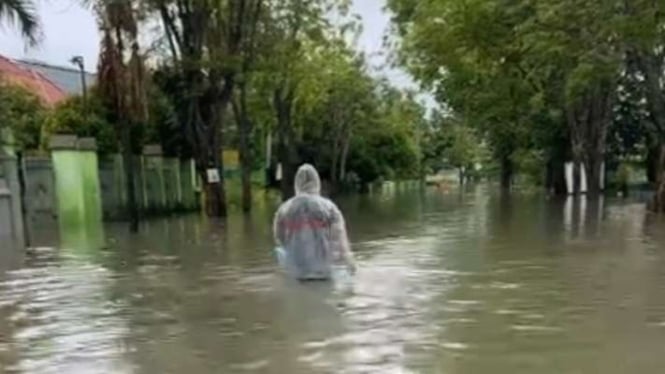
447	283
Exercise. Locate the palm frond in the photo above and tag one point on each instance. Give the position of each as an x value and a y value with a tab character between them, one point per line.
22	14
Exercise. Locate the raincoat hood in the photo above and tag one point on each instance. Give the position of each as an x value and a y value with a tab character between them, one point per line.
307	181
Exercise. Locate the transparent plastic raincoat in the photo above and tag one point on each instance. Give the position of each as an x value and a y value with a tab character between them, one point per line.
310	231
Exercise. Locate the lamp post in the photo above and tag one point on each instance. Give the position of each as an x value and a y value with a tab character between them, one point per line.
80	63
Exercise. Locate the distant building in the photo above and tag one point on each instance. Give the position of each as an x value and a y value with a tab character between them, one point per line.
32	80
67	78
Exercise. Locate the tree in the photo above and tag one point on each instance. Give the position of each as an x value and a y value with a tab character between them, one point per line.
463	150
23	114
474	65
510	68
632	131
435	142
248	52
297	31
87	118
645	35
591	62
122	82
207	40
339	102
22	14
163	126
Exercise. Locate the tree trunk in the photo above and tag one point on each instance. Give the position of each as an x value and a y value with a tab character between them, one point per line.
287	155
246	177
344	157
337	148
651	67
554	178
506	172
588	120
21	169
246	167
335	161
204	116
593	166
216	192
214	107
658	202
651	164
245	130
130	180
557	182
288	170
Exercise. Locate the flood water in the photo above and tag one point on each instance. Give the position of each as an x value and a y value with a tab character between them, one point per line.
448	283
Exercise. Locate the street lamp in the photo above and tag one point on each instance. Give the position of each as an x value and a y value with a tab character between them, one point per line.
80	63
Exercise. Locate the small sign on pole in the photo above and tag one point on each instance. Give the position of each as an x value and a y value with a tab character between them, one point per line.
213	175
278	172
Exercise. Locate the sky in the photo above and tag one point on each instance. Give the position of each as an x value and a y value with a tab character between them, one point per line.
70	30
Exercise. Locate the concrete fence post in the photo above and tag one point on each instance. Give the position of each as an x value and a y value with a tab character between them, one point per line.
188	184
153	174
11	214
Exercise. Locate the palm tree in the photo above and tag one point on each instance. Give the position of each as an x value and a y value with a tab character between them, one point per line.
21	13
122	84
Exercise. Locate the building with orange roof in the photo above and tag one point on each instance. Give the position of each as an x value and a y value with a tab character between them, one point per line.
32	80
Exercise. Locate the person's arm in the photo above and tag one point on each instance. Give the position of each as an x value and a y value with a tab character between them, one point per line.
279	231
340	240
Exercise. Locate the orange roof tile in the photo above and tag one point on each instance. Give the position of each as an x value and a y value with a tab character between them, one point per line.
35	82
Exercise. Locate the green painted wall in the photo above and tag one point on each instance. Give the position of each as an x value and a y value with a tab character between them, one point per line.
171	174
154	183
187	180
69	187
91	194
78	199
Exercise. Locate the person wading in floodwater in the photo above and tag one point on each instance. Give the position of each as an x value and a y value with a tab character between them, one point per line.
310	231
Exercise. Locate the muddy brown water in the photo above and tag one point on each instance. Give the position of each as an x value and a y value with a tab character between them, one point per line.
448	283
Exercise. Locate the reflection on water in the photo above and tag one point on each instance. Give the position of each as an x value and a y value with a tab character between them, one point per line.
467	283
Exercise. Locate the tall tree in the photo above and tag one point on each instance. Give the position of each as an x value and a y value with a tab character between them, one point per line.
511	67
581	39
206	41
645	29
469	53
122	82
295	29
248	55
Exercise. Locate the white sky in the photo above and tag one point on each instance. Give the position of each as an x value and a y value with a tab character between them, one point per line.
70	30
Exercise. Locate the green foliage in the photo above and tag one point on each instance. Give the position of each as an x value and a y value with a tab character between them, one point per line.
85	119
23	114
531	164
525	75
622	178
464	147
344	104
163	126
632	128
383	156
338	117
466	52
449	143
